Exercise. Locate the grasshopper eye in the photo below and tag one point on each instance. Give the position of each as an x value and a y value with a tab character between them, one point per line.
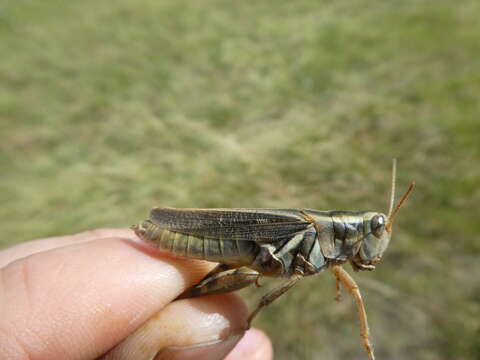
377	224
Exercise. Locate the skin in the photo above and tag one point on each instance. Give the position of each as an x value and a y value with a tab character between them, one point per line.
104	294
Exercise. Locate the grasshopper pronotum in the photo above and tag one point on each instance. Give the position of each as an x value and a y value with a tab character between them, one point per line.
290	243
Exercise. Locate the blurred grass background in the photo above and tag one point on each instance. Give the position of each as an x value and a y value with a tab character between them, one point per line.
108	109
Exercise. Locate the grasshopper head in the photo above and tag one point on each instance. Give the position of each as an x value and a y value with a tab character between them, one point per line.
375	241
377	229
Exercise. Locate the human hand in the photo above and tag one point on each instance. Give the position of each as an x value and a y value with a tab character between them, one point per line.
106	294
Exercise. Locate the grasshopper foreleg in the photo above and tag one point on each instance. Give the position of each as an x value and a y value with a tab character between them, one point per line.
347	281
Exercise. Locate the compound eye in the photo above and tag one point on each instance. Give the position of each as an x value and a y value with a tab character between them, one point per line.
377	224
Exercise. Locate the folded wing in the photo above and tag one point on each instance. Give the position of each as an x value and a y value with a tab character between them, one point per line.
259	225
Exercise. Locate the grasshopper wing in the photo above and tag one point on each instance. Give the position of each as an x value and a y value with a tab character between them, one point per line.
259	225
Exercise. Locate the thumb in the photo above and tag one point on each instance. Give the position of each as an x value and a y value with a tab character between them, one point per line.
201	328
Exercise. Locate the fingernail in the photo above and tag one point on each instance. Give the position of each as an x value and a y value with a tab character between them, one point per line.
212	350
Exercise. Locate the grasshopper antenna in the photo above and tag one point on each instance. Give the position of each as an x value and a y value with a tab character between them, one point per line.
392	193
393	212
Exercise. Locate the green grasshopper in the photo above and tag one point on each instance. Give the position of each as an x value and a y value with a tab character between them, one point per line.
289	243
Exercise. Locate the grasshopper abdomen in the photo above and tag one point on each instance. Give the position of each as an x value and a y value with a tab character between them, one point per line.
226	251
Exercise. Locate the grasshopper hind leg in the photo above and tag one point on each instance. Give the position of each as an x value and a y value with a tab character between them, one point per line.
216	270
271	296
220	281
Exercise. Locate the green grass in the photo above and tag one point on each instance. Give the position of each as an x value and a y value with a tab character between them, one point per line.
109	109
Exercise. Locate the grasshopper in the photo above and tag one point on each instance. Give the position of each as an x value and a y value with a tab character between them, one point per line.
289	243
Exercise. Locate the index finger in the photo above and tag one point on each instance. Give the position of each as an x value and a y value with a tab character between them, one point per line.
27	248
79	300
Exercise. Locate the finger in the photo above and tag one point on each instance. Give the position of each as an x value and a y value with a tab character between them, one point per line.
255	345
200	328
24	249
78	301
